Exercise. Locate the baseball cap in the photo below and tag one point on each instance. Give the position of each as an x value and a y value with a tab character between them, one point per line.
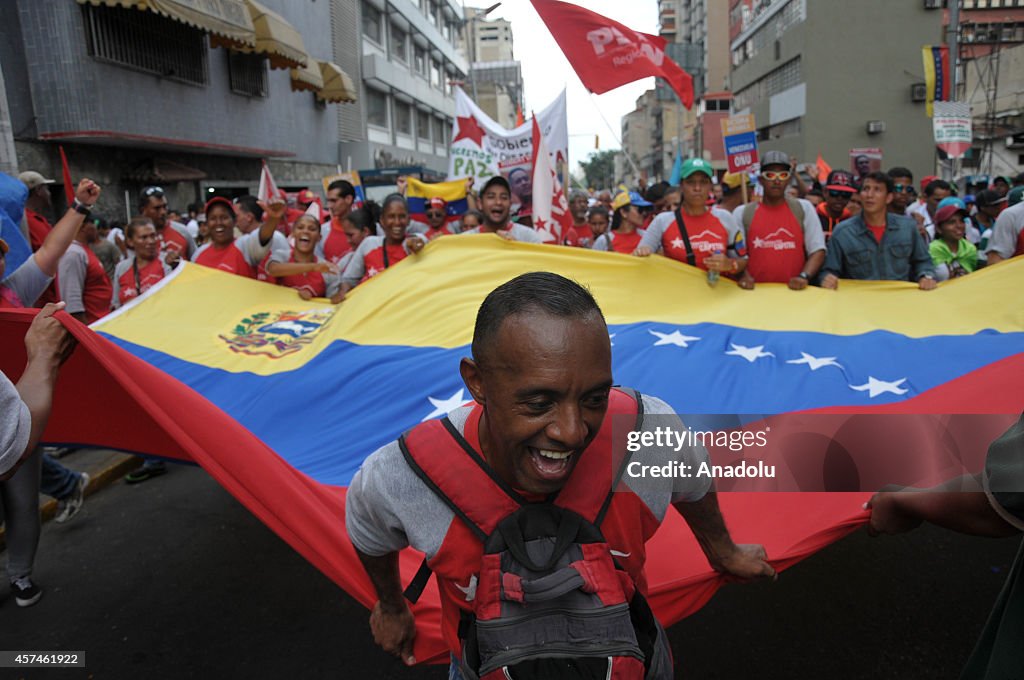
624	198
732	180
696	165
987	197
33	179
951	200
947	212
925	181
497	179
306	196
1015	196
220	200
840	180
1003	178
4	247
437	202
776	158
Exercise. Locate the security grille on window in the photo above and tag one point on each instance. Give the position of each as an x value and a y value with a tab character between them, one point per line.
146	42
247	74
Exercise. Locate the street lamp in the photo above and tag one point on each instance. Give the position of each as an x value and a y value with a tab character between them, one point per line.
481	16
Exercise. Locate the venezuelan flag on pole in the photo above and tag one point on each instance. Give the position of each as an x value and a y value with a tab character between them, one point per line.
281	399
418	195
936	75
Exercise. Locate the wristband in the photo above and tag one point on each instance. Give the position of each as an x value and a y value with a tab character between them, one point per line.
81	208
804	276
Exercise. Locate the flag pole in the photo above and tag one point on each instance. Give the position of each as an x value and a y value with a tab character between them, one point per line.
615	136
743	180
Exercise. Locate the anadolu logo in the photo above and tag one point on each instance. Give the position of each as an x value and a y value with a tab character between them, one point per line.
276	335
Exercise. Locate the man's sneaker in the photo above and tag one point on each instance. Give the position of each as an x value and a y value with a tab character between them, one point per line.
26	593
69	506
149	469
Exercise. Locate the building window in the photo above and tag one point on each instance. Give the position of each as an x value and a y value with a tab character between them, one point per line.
373	24
247	74
432	11
147	42
423	125
399	43
403	117
420	60
436	77
376	108
439	129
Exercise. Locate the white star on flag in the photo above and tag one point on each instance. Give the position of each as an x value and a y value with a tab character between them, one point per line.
611	338
372	271
814	362
751	354
678	243
674	338
874	387
443	406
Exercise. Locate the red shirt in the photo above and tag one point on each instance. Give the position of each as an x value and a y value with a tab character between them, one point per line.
137	280
877	230
433	233
310	281
228	259
336	245
375	261
626	243
38	228
707	235
775	244
585	235
170	239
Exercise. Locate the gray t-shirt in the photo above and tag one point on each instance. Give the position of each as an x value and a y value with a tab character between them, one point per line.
1006	231
28	282
15	425
388	507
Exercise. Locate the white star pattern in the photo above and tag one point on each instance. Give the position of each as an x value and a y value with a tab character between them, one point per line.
470	590
875	387
443	406
674	338
372	271
611	338
815	362
751	354
678	243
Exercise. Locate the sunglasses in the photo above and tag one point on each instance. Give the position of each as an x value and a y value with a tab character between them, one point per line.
780	175
153	191
435	213
903	188
840	194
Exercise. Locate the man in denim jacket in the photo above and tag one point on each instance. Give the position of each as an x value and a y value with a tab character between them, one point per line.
877	245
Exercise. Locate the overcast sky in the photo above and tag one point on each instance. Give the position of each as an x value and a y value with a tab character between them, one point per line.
546	71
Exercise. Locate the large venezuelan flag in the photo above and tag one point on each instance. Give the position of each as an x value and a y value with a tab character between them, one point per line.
280	399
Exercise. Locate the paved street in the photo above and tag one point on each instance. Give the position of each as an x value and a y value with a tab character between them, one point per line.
173	578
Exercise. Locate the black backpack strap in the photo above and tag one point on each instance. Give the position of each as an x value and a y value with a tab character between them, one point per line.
418	582
691	259
625	458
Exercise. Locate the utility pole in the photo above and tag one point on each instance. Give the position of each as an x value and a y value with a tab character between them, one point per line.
953	41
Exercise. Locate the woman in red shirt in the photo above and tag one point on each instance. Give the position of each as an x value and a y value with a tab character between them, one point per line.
135	275
310	275
626	232
242	255
376	254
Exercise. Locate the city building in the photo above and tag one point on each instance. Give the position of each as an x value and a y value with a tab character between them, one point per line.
828	76
495	77
192	96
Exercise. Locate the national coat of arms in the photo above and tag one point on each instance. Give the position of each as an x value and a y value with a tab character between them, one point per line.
276	335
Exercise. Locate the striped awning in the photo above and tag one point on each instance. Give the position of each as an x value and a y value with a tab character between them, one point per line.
276	38
228	20
338	86
307	77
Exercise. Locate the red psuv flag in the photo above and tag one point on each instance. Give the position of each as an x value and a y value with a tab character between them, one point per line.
605	54
551	214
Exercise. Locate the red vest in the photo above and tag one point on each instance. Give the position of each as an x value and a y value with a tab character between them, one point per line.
310	281
775	244
706	236
375	261
627	526
229	259
134	282
336	245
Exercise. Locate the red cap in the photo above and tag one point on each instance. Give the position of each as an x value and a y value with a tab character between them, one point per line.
306	196
220	200
925	181
437	203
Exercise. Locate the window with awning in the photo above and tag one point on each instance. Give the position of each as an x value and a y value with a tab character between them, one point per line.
338	86
275	37
228	20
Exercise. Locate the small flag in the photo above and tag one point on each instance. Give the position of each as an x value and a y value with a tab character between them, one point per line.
551	214
519	115
69	187
453	192
824	169
677	170
268	188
